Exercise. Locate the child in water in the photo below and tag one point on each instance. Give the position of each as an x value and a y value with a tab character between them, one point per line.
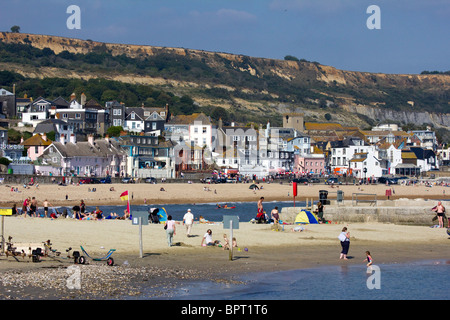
368	259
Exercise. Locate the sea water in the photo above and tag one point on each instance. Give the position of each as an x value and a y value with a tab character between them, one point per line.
404	281
210	211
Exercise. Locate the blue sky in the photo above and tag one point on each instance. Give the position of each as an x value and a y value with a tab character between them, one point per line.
414	34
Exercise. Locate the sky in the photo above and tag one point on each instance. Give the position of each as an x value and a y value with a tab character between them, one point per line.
413	35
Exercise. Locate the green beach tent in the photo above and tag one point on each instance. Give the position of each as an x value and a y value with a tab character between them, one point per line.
306	217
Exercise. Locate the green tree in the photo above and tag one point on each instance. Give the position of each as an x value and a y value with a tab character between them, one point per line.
291	58
114	131
15	29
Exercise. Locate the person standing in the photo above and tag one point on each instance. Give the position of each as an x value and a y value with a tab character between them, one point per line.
320	211
170	229
188	220
440	211
260	216
46	205
33	207
26	206
344	237
82	208
275	215
369	259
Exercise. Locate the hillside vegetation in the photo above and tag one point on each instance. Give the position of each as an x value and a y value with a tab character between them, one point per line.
235	87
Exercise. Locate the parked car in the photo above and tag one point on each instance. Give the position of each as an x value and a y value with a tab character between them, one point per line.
300	180
85	181
314	180
128	180
106	180
150	180
89	181
332	181
384	180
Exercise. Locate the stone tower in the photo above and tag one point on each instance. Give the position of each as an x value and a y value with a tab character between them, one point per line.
294	120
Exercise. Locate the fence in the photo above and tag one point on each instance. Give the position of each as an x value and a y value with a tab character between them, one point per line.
356	200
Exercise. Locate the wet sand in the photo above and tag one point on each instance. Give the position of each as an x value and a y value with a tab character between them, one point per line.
163	267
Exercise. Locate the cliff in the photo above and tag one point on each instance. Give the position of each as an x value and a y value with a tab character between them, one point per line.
267	85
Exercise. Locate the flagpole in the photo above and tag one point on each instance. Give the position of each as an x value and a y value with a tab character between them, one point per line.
128	205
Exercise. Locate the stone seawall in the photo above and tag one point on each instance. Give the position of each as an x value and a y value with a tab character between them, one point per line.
414	212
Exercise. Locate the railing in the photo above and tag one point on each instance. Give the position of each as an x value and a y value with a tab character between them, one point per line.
356	200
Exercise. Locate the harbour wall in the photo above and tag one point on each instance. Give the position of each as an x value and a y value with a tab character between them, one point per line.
402	211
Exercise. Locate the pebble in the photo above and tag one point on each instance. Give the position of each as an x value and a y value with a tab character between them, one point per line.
96	281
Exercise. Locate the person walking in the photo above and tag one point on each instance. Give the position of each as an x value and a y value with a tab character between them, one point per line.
188	220
344	237
170	229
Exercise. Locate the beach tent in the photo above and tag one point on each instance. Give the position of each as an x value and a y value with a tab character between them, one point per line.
162	215
306	217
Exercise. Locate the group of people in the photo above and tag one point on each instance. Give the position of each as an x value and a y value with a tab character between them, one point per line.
188	221
30	207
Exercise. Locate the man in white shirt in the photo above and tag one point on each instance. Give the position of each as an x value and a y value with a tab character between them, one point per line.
188	220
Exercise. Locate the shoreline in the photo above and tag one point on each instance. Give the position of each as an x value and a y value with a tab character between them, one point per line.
184	193
164	267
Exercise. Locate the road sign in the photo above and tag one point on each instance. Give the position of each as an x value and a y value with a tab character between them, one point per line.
231	222
140	214
234	220
140	218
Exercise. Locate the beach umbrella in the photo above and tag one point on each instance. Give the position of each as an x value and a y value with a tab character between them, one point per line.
253	186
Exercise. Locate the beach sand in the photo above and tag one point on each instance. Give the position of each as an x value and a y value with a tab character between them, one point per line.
267	250
194	193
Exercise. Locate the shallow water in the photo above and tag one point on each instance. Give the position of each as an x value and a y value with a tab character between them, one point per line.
406	281
245	210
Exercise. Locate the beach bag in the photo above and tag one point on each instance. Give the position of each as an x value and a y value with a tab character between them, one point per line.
165	226
342	237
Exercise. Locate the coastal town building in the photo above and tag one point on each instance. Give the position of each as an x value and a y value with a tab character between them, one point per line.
92	158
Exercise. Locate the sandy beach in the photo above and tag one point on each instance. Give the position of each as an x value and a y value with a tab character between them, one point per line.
267	250
195	193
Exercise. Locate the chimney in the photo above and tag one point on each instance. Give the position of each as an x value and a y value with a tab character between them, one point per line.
73	139
83	99
220	123
44	136
62	139
107	138
91	139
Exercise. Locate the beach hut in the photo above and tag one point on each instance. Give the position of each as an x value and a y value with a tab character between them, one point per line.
306	217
